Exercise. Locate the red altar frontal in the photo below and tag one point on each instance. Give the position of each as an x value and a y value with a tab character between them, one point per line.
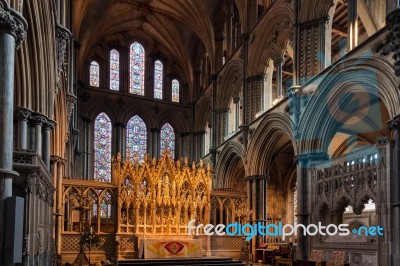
168	248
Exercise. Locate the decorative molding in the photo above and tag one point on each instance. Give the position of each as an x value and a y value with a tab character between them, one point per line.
394	124
71	100
21	113
63	37
393	23
14	23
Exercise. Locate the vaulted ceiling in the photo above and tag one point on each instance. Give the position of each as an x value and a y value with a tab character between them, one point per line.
179	28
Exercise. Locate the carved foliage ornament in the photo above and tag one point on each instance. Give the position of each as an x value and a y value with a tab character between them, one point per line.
63	37
14	23
393	22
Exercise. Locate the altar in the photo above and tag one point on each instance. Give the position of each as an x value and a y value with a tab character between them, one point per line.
156	199
169	248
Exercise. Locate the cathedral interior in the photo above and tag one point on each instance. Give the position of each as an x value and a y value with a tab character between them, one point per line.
124	120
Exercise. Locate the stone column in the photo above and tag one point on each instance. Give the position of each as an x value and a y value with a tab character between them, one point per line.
12	33
39	121
86	138
304	163
22	115
119	140
278	66
155	142
236	101
352	25
394	125
47	126
185	145
58	164
303	212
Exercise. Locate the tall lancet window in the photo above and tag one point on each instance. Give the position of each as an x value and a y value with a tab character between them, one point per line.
94	73
136	138
136	69
167	139
114	70
175	91
158	79
102	148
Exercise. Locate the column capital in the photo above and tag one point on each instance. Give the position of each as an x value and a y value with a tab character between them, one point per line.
49	124
38	119
394	124
22	113
57	159
13	23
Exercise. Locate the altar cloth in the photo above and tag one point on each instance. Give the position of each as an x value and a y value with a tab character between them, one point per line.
167	248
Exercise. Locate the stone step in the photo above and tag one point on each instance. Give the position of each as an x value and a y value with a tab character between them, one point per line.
182	262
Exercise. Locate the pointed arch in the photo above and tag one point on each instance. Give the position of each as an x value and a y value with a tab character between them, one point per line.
94	73
175	91
136	138
167	139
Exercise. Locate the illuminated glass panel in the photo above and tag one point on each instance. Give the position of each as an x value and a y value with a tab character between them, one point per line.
175	91
105	206
102	148
168	139
114	70
94	74
158	79
136	139
136	69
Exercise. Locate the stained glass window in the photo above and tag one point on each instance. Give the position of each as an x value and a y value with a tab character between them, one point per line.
168	139
102	148
175	91
136	139
136	67
158	79
94	72
105	205
114	70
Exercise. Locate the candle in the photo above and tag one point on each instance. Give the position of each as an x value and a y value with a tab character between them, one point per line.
91	230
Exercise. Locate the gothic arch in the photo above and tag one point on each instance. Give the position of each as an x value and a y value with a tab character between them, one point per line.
229	166
318	120
230	83
264	140
272	42
95	106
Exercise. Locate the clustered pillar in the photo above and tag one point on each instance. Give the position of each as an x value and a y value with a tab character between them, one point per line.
257	194
12	33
